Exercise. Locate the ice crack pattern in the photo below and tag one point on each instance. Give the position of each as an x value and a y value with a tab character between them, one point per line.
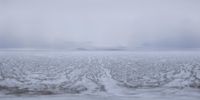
112	73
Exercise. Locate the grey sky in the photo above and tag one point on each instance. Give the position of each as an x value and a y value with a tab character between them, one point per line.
100	23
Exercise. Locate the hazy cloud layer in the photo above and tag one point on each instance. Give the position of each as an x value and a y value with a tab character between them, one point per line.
99	23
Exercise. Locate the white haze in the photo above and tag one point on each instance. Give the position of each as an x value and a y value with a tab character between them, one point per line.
86	24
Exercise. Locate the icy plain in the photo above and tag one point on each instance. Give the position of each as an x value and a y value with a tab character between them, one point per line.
99	75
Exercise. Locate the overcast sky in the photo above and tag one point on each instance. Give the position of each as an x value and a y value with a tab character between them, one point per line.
100	23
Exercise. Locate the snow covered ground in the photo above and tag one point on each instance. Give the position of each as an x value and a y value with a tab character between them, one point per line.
111	75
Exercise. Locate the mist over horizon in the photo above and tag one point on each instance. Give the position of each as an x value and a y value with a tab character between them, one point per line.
99	49
100	24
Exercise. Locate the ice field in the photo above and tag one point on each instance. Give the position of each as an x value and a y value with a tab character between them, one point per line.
99	75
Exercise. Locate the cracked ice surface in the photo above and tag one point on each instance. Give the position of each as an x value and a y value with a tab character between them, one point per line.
98	73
